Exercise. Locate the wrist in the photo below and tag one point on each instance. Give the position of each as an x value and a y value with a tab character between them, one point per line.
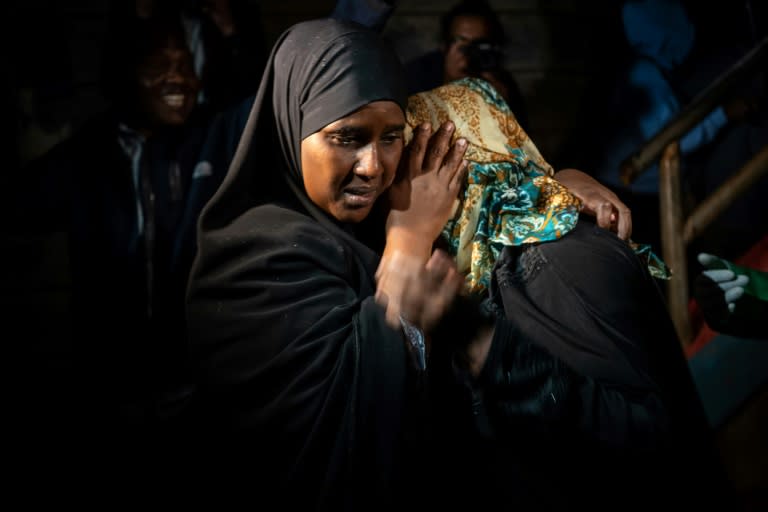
404	241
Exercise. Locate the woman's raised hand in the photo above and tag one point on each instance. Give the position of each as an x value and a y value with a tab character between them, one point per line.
412	281
423	198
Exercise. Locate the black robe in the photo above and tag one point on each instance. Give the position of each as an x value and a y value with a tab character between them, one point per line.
303	391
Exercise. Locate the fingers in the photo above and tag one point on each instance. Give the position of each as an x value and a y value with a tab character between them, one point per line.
614	215
719	275
446	159
603	213
624	228
730	284
420	296
733	294
438	147
429	152
455	166
739	282
418	148
391	309
439	262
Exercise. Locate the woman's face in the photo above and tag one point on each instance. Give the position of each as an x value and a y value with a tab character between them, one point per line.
348	164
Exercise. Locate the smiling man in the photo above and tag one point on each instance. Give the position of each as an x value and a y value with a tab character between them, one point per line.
166	80
125	191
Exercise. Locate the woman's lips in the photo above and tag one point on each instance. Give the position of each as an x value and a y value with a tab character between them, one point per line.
359	196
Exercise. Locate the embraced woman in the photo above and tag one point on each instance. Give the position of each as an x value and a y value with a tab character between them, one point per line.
338	366
590	383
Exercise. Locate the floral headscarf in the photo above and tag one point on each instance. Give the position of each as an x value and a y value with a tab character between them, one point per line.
510	196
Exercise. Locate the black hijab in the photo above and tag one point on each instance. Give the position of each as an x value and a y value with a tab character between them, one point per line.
318	72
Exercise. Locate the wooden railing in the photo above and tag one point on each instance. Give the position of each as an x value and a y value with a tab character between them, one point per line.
677	230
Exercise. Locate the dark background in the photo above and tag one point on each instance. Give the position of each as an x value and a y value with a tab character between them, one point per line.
556	49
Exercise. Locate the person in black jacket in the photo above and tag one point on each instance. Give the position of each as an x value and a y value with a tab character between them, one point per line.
112	211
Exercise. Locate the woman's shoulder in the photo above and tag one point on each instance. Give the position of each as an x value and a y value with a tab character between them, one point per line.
283	218
271	242
281	226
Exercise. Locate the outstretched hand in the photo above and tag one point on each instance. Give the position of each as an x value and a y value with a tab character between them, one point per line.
598	201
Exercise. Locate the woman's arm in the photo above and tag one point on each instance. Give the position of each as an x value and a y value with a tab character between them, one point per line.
598	201
412	281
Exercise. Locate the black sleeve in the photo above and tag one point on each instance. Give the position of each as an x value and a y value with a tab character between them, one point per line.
527	390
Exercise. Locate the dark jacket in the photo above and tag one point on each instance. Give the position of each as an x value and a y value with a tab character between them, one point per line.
106	333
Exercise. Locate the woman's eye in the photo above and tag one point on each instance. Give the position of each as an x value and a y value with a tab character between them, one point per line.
392	138
343	140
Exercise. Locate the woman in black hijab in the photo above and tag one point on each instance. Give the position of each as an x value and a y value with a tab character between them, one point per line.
302	382
311	389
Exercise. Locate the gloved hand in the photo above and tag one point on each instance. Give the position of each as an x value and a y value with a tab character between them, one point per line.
729	283
733	298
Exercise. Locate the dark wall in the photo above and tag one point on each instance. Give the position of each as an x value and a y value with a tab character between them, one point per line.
553	47
556	48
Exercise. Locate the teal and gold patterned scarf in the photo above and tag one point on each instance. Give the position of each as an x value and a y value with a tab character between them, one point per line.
510	197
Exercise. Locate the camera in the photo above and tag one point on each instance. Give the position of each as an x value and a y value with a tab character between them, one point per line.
482	56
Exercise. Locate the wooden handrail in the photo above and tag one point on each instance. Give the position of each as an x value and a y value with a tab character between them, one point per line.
694	112
711	208
677	231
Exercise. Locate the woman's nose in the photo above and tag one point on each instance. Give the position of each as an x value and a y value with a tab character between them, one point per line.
368	163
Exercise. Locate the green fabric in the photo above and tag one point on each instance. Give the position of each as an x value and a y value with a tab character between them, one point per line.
758	281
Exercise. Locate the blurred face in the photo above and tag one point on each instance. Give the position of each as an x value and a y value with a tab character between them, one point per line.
168	85
348	164
464	30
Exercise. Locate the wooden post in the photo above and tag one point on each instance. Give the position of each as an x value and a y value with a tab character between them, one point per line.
673	245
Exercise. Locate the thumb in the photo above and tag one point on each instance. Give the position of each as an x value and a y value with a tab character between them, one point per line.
711	261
